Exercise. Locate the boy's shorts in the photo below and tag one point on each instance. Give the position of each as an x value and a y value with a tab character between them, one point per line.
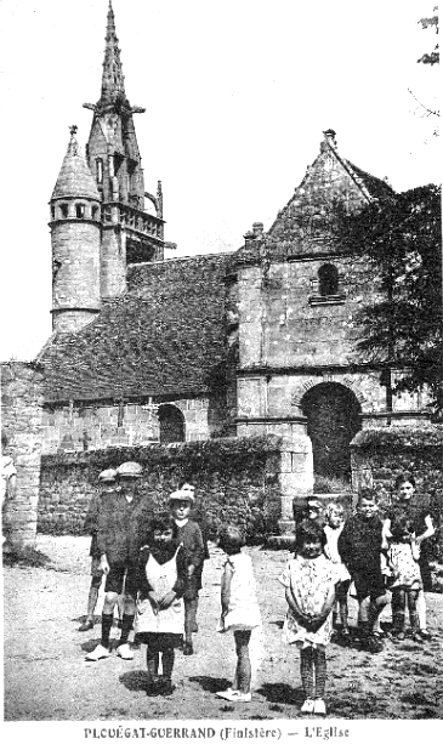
368	583
122	573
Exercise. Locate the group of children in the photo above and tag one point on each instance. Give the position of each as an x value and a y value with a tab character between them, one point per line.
371	553
366	552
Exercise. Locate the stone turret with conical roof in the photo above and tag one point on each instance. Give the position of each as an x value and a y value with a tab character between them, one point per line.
129	233
75	238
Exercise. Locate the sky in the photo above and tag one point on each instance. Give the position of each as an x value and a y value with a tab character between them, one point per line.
237	95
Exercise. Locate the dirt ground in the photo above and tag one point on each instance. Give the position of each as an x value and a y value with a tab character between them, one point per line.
47	678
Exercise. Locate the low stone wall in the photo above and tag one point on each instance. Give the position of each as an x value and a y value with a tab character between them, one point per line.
241	480
21	417
379	455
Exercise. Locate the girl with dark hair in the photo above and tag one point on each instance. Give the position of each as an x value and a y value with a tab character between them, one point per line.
405	528
310	581
162	577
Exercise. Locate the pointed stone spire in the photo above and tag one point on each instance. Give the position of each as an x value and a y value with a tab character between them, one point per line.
75	178
113	80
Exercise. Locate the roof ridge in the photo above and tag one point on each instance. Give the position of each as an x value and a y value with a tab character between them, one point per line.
180	258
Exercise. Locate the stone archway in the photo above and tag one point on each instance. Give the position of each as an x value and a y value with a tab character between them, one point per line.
333	418
172	424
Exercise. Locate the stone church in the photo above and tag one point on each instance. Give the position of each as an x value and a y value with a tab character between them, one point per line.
257	341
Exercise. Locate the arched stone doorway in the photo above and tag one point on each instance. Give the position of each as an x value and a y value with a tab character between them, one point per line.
333	418
171	423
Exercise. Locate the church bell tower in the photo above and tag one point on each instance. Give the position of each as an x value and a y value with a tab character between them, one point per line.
130	234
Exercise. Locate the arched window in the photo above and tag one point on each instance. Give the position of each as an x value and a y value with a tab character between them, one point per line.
316	225
327	280
172	424
64	210
94	212
79	210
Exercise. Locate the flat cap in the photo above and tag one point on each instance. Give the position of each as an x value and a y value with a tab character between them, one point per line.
130	469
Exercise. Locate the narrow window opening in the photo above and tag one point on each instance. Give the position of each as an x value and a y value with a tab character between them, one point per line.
328	280
99	170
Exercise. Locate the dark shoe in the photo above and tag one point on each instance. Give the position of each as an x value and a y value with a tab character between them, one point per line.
86	625
188	649
153	688
165	686
373	644
425	635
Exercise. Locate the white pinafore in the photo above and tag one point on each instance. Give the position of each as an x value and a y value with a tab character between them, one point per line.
161	578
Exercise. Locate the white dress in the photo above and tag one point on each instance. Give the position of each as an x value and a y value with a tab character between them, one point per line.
161	578
243	610
331	551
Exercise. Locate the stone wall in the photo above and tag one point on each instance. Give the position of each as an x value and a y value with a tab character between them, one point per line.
102	425
379	455
21	416
244	480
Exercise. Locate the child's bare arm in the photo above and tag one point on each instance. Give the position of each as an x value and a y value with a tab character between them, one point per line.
386	534
429	531
226	588
167	600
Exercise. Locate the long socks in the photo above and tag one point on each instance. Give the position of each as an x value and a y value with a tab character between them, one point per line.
313	672
126	628
106	629
320	673
307	671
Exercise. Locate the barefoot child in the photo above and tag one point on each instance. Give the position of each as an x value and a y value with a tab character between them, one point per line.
310	580
334	515
240	612
162	574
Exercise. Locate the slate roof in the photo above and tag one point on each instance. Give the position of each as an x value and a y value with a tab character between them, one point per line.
75	178
163	337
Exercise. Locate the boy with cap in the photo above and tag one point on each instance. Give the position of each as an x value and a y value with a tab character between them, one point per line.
108	481
121	524
189	534
198	515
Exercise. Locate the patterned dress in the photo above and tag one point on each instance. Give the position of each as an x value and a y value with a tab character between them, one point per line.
403	553
312	582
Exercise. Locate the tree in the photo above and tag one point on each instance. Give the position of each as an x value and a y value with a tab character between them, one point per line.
429	58
402	328
430	22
